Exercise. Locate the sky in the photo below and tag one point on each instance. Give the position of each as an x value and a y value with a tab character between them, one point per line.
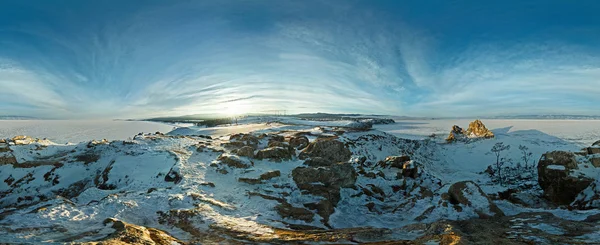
435	58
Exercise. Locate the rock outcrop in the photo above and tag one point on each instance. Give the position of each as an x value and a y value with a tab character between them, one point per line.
469	194
275	153
327	148
323	178
478	130
555	177
475	130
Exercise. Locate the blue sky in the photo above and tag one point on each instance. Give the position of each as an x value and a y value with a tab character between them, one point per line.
126	59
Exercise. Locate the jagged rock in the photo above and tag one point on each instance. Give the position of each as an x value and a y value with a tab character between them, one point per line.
394	162
274	153
456	133
410	169
467	193
233	161
478	130
554	177
327	148
299	142
246	151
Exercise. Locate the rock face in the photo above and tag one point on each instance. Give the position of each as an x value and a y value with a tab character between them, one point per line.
246	151
555	179
478	130
323	178
275	153
329	149
467	193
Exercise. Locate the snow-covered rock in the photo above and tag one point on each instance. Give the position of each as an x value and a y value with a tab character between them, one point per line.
469	195
557	178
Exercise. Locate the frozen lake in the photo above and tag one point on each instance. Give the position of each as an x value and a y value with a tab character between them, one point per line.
74	131
580	132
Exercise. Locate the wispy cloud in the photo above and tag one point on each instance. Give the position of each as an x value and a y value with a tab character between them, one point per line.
175	58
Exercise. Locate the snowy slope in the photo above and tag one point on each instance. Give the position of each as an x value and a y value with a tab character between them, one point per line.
199	190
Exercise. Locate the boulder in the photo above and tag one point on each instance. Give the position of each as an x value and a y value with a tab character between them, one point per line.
469	194
274	153
245	139
594	149
554	176
246	151
478	130
327	148
410	169
299	142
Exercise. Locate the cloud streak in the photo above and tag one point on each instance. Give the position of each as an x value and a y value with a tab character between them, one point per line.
156	58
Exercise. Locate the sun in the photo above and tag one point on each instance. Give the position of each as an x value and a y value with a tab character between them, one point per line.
236	108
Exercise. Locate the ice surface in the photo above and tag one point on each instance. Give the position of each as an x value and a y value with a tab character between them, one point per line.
75	131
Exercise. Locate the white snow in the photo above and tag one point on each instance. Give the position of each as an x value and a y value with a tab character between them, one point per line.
556	167
143	162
